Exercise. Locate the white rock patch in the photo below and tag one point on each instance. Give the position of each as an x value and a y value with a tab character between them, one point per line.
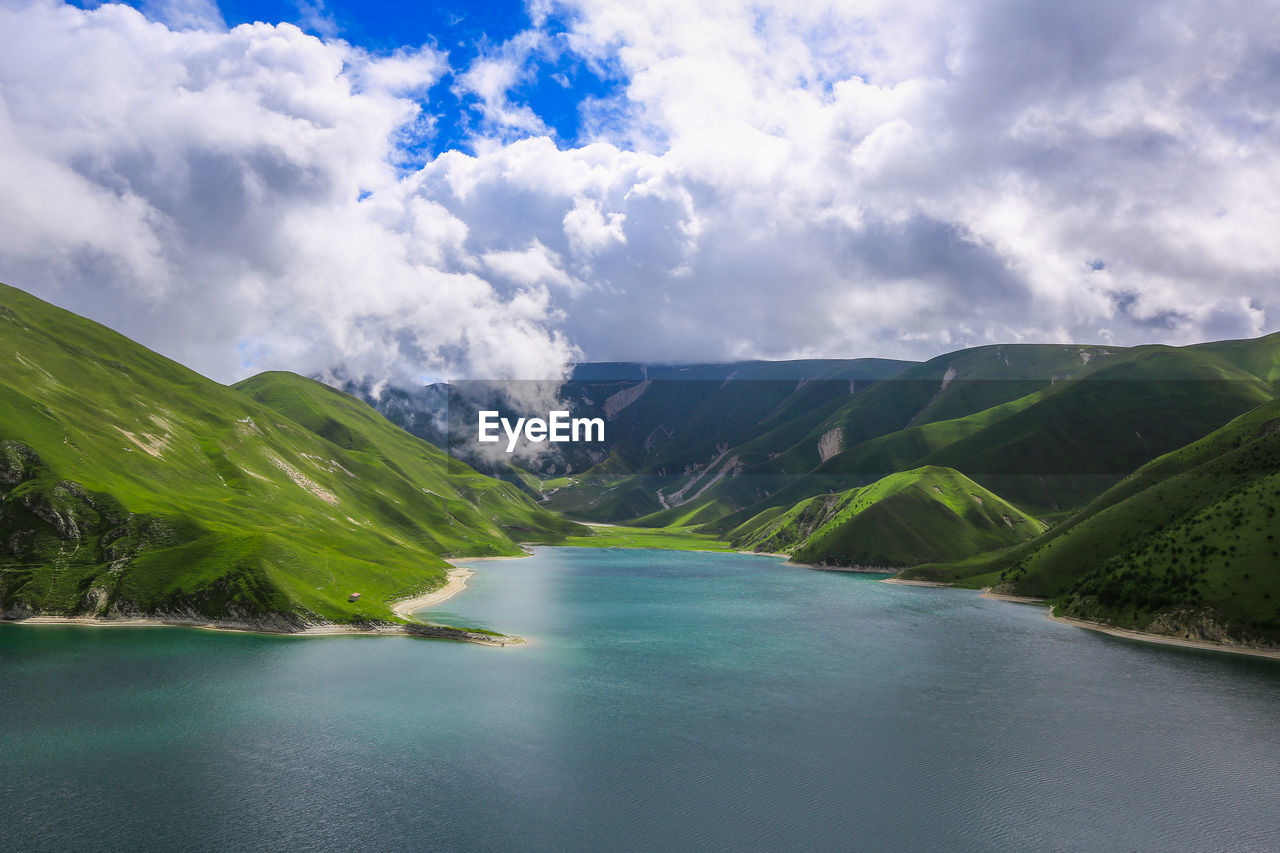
830	443
302	480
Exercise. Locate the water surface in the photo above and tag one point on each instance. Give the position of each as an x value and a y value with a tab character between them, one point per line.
666	699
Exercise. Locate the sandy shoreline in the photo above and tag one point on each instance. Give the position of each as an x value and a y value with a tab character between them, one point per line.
1016	599
455	583
174	622
327	629
1144	637
869	570
860	570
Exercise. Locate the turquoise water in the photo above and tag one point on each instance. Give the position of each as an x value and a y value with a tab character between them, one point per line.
666	700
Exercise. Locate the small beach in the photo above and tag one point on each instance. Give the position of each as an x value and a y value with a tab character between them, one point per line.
456	583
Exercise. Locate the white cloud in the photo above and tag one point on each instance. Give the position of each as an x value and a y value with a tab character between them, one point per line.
897	178
404	72
589	230
230	198
532	266
768	180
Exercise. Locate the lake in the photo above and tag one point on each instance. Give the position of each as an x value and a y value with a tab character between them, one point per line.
665	700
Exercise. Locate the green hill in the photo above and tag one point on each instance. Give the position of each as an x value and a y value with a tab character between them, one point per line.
1186	546
132	485
1050	450
912	517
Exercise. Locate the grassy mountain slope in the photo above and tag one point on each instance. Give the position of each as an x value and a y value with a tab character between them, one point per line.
1057	447
1187	545
1084	435
947	387
841	437
1259	356
130	484
678	422
409	467
904	519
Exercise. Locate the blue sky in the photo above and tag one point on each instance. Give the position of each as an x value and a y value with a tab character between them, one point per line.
402	191
556	82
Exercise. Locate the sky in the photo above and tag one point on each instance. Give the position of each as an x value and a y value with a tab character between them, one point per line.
409	192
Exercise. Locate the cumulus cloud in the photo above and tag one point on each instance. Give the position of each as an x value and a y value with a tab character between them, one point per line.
900	178
535	265
589	230
231	198
766	180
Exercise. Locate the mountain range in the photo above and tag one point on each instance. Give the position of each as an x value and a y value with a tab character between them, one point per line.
1135	486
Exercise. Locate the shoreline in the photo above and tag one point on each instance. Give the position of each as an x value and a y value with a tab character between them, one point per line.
1161	639
321	629
858	570
1101	628
455	582
866	570
1016	599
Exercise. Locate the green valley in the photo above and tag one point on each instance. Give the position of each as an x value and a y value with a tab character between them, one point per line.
1136	487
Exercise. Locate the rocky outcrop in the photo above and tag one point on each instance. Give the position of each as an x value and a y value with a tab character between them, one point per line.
63	525
67	508
18	463
619	401
830	443
1195	624
1191	624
